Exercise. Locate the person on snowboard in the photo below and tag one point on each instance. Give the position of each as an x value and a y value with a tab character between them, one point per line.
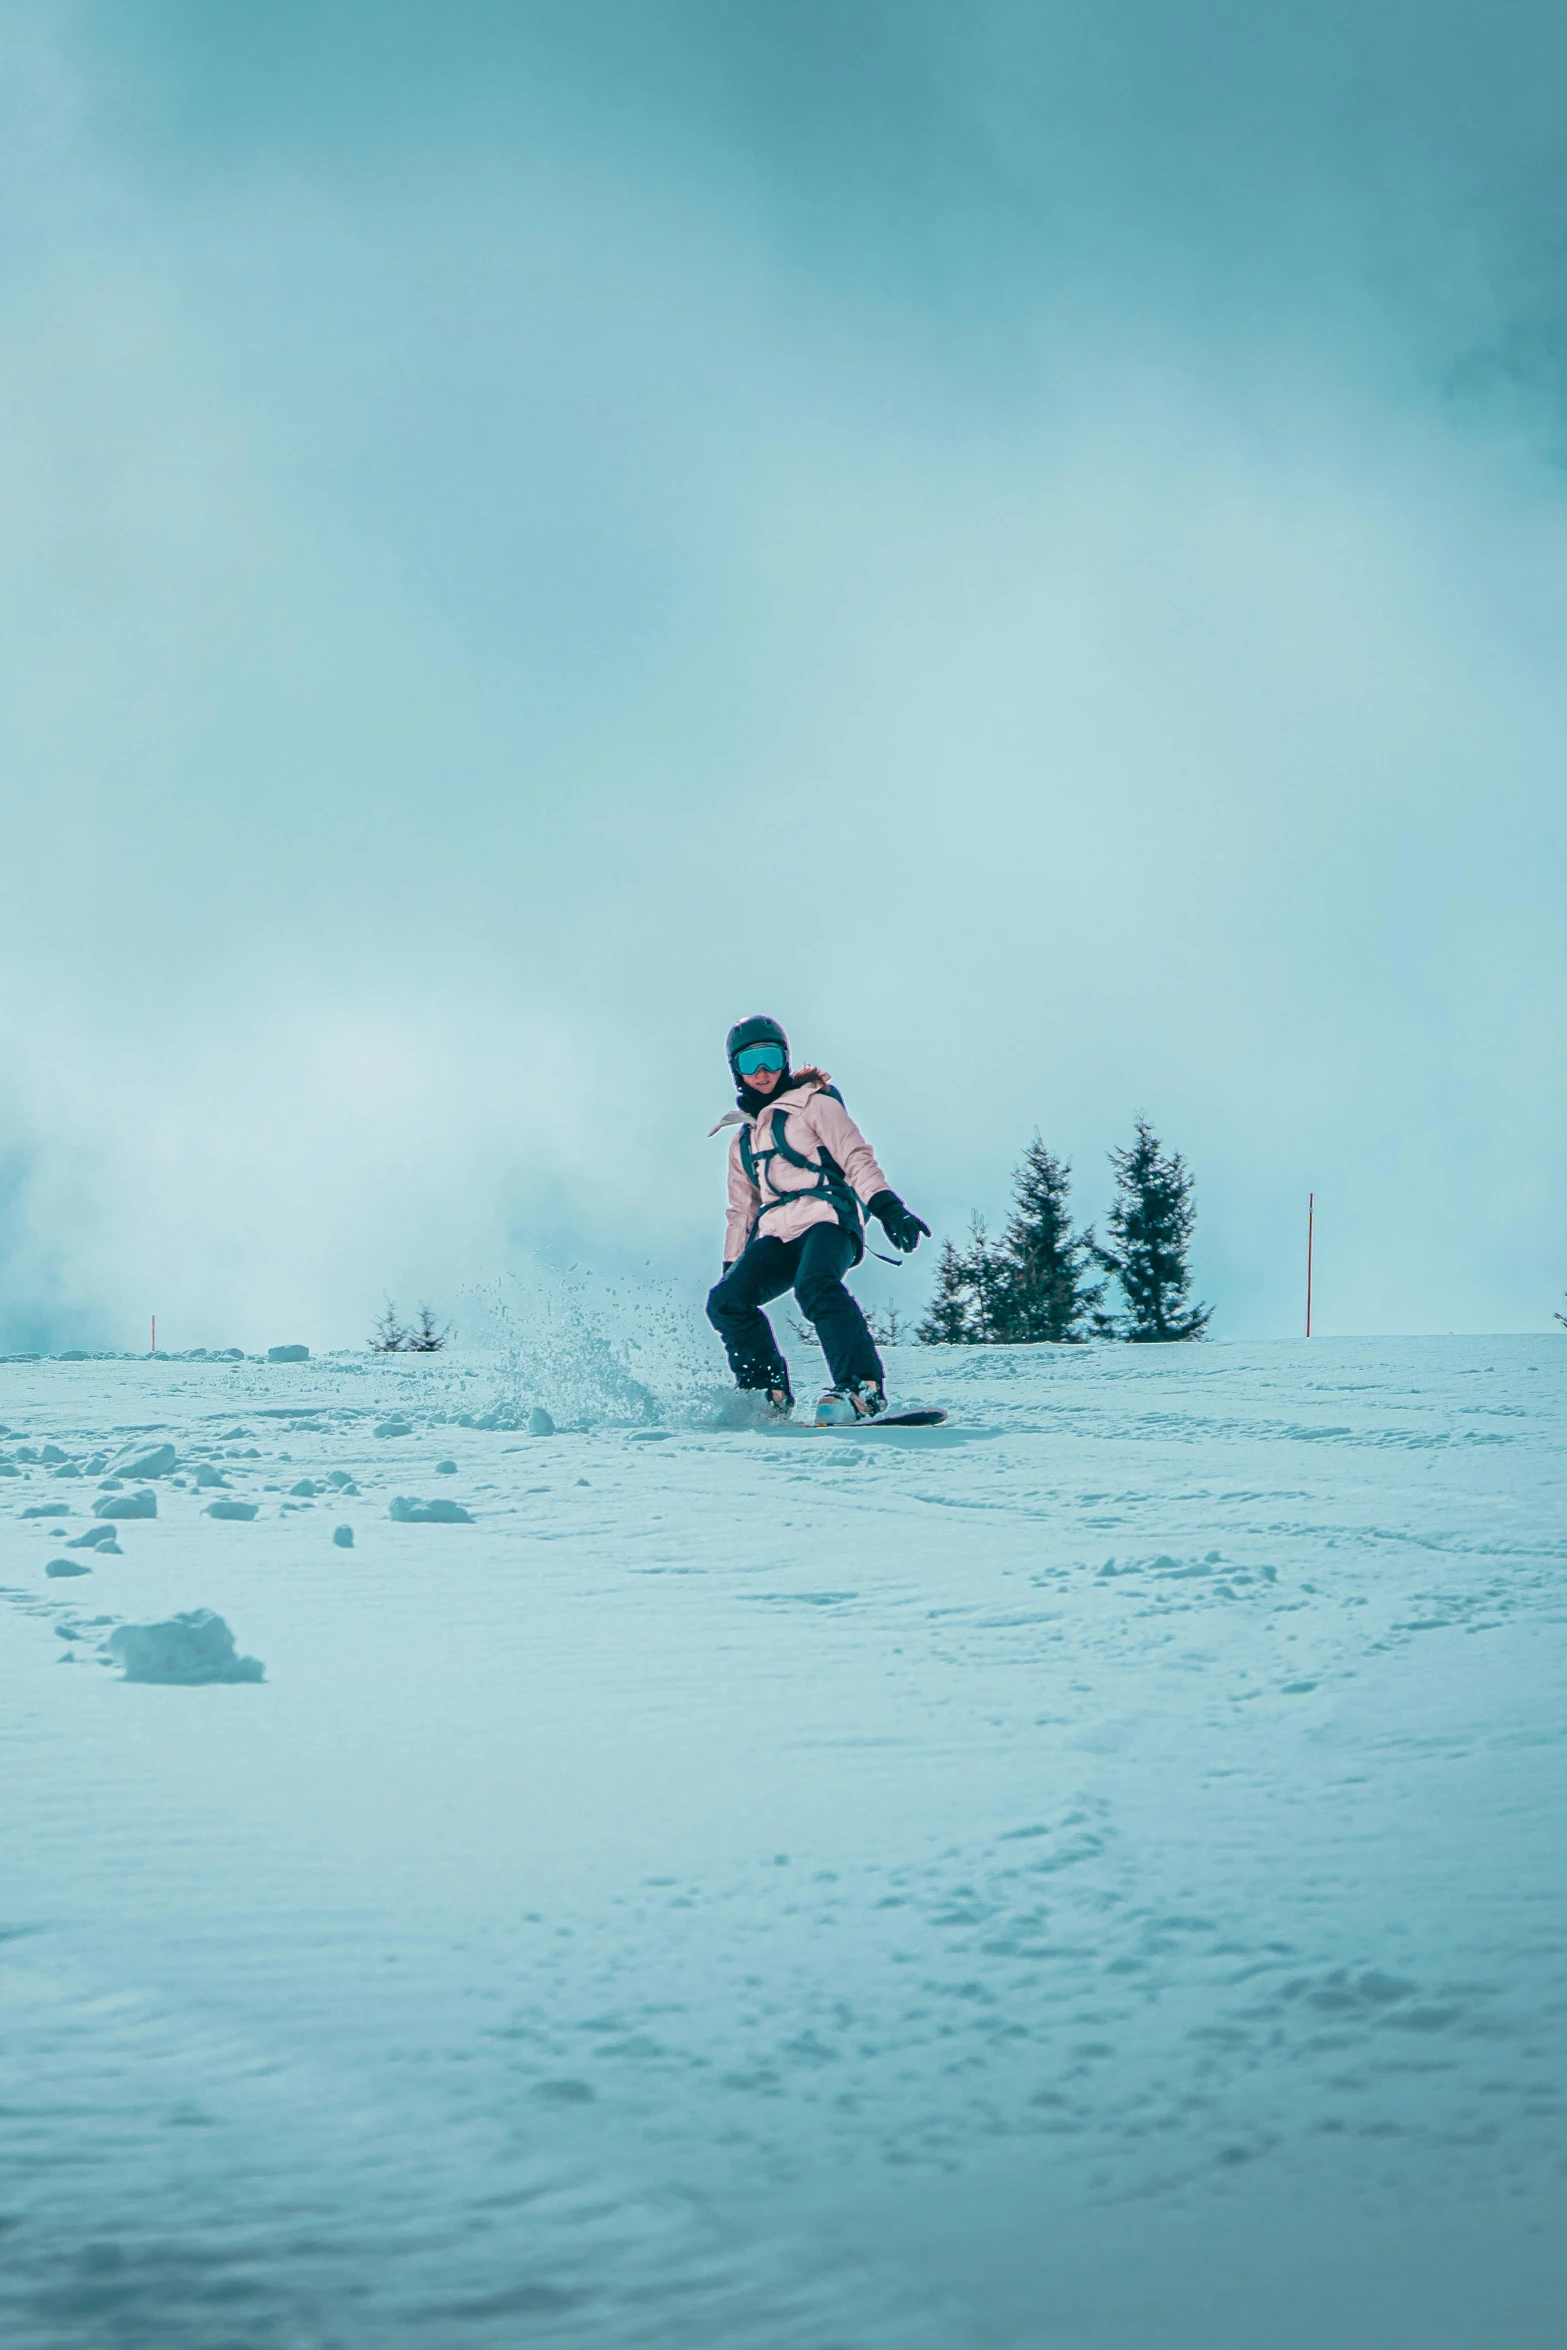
802	1179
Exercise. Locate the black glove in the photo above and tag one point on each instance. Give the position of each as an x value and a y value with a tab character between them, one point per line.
902	1229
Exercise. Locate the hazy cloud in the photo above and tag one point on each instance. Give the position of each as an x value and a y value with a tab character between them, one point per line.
1026	540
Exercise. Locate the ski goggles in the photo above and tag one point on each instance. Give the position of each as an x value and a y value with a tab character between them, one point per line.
758	1056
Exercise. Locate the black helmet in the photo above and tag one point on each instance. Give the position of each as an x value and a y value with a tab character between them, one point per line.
760	1030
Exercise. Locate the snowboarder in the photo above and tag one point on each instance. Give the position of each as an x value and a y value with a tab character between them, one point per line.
802	1179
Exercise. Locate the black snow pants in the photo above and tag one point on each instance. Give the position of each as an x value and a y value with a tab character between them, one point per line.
813	1267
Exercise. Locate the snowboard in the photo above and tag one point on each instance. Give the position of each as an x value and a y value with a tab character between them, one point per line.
922	1417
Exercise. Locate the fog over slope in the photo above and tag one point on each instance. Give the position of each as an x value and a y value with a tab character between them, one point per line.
1028	541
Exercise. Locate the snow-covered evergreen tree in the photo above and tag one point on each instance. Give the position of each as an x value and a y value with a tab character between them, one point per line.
1149	1232
1044	1293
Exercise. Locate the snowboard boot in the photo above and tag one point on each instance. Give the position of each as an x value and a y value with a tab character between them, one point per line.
857	1399
770	1402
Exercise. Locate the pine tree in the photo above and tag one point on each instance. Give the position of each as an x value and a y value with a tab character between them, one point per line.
952	1320
973	1287
990	1284
427	1338
1150	1230
389	1336
1045	1295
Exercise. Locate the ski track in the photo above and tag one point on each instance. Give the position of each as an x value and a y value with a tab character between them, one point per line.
797	1894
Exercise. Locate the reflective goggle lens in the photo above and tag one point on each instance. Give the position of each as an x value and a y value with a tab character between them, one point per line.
759	1056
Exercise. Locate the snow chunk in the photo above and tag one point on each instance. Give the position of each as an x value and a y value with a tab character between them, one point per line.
539	1422
67	1567
410	1512
395	1427
95	1538
239	1510
189	1649
343	1536
127	1505
288	1354
158	1463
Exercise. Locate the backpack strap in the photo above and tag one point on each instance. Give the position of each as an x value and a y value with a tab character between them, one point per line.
831	1183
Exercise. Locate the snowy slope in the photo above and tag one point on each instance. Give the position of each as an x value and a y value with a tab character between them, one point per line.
1089	1875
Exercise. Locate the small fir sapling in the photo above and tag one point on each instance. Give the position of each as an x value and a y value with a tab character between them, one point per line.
887	1326
423	1337
389	1337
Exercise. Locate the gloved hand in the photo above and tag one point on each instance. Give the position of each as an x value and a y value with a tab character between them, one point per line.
901	1228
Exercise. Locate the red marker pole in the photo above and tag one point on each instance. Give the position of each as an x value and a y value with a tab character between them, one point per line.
1311	1217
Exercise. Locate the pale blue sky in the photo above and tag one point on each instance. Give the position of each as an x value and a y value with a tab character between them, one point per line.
1029	541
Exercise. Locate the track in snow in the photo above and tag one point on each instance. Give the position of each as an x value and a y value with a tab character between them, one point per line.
1091	1873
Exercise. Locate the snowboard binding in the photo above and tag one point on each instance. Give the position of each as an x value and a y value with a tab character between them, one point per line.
841	1407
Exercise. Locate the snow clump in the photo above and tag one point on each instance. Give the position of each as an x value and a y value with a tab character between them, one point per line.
127	1505
187	1651
408	1511
160	1462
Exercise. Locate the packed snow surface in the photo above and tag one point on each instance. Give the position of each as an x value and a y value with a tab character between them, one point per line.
1091	1874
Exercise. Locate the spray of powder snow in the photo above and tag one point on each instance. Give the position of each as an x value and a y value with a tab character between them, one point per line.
595	1354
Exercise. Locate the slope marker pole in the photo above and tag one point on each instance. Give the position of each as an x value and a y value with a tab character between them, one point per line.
155	1332
1311	1218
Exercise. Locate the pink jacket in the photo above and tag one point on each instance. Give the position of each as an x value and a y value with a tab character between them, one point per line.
812	1119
